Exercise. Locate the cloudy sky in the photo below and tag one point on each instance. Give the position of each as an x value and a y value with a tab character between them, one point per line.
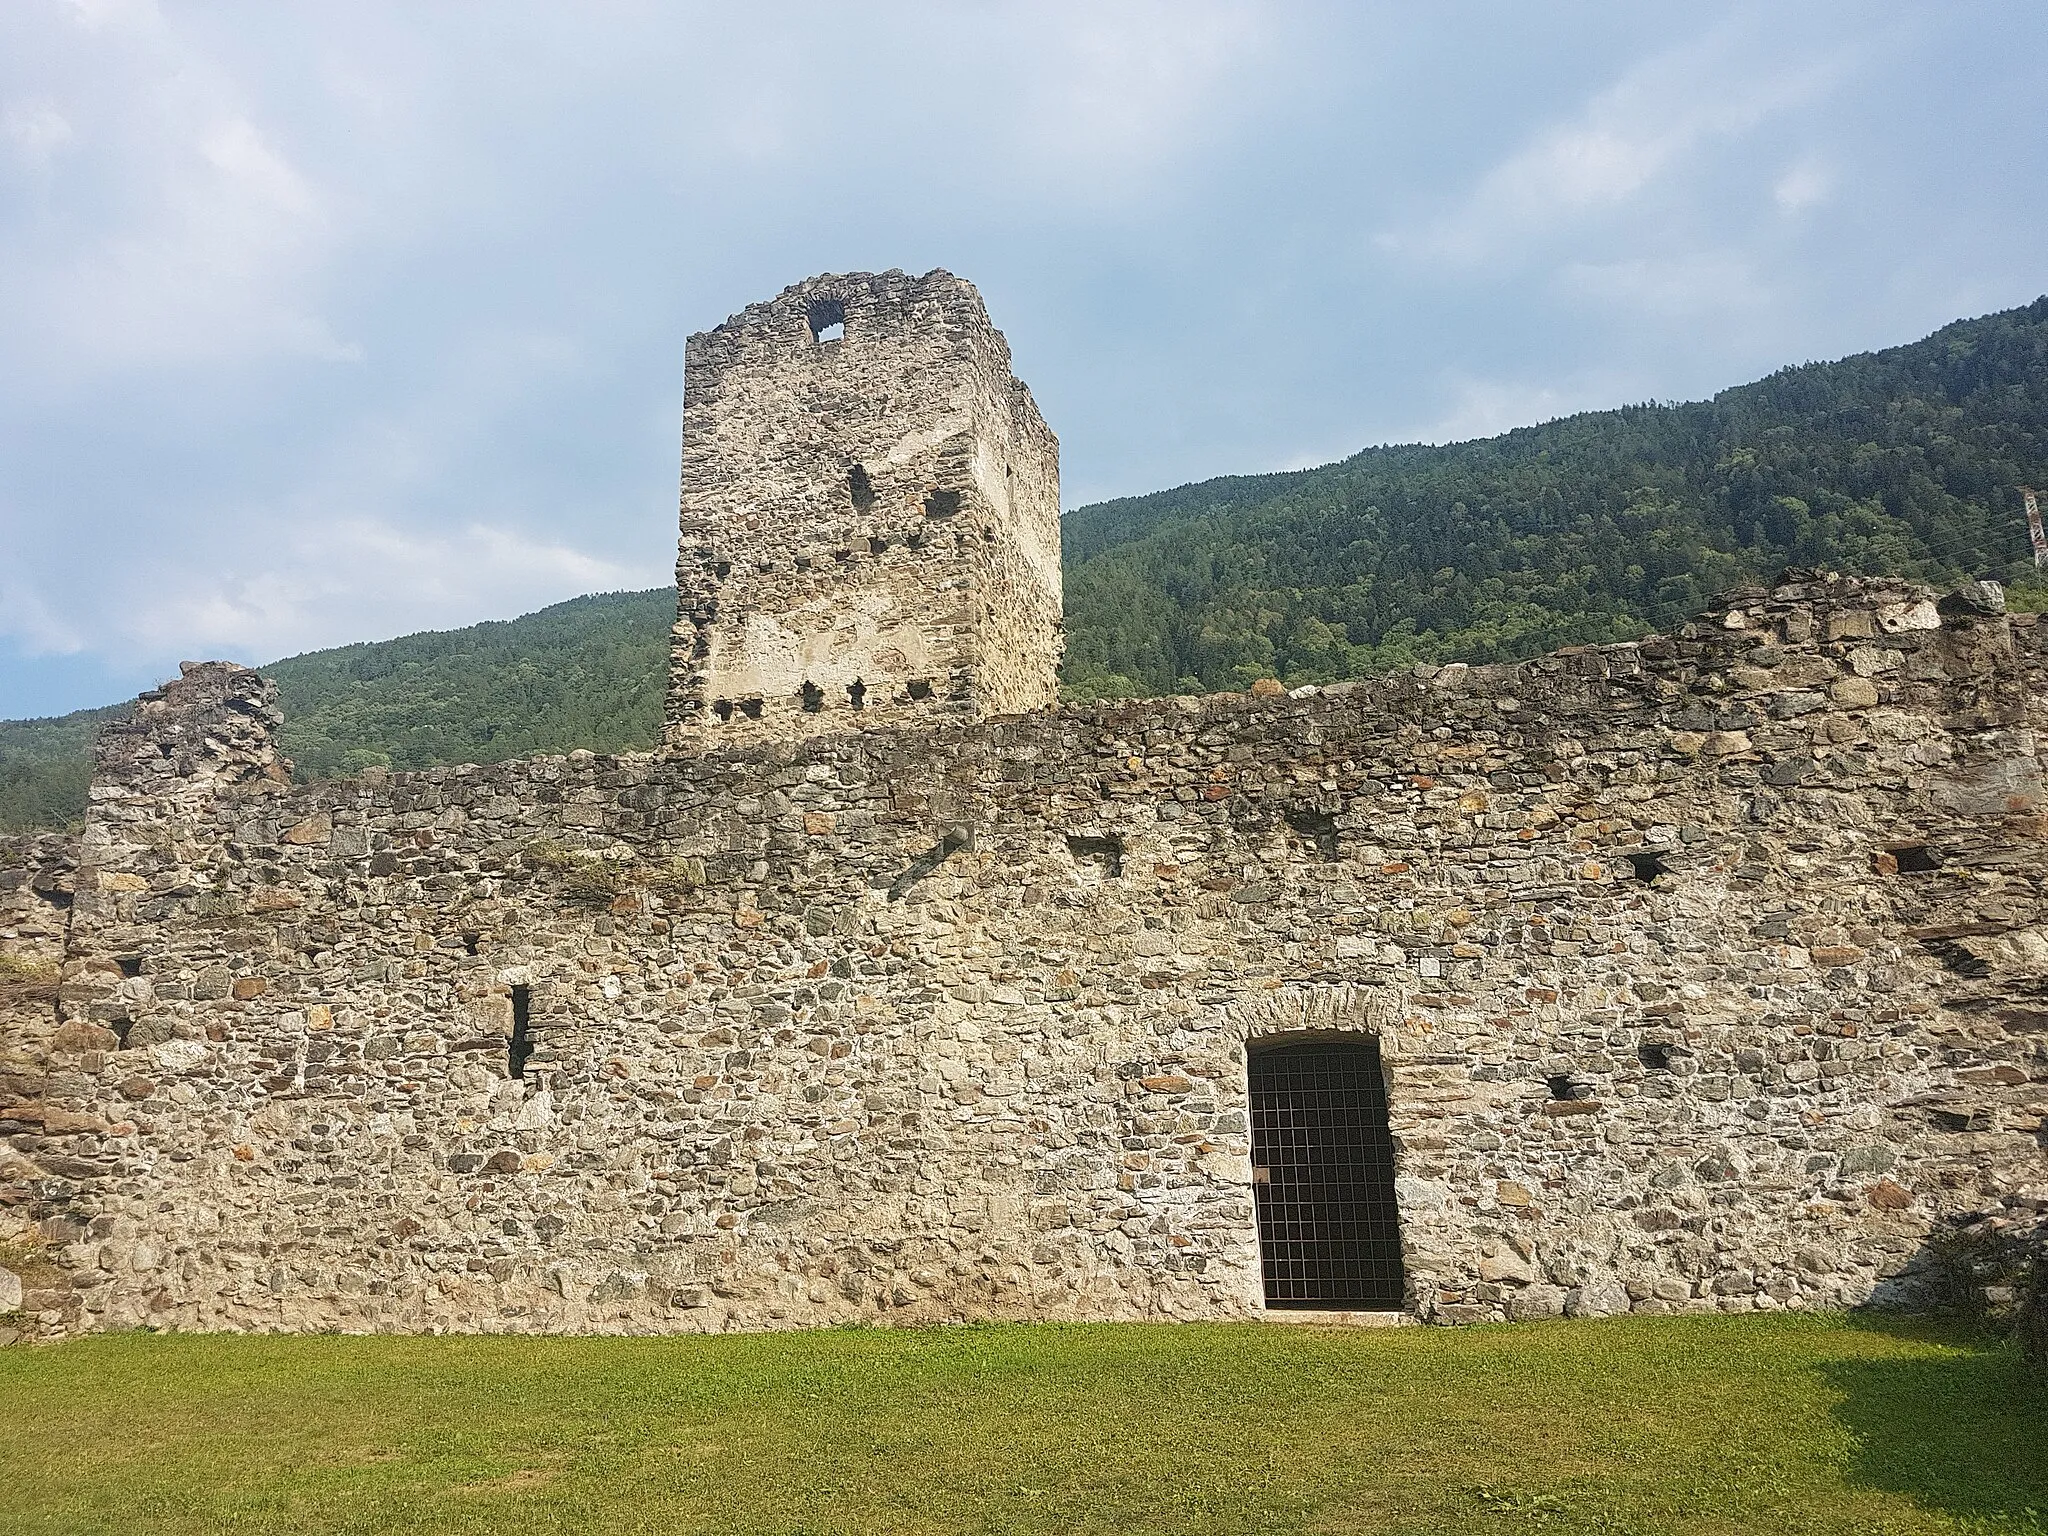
326	322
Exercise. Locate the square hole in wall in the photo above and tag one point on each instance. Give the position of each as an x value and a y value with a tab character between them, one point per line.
827	320
1646	865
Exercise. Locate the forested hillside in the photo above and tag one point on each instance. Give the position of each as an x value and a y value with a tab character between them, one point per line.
585	673
1595	527
44	768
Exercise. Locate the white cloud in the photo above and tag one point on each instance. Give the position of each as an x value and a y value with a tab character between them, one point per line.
1484	407
1625	139
1108	89
236	148
96	15
1709	283
27	619
1802	186
175	229
329	583
1083	95
36	129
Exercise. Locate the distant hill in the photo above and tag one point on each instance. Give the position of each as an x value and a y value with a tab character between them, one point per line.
1596	527
45	766
586	673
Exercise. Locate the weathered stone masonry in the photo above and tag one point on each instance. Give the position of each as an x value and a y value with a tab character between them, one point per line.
1707	971
870	523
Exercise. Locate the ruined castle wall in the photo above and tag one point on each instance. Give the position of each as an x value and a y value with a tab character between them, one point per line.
873	517
1016	582
951	1022
35	910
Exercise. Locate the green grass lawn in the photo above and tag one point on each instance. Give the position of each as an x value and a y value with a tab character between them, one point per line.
1740	1425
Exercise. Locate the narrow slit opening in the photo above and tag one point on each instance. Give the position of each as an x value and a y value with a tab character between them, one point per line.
520	1047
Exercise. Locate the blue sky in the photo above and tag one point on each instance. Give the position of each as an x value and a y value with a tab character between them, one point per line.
323	322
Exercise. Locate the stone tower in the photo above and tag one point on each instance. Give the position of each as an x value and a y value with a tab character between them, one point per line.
870	517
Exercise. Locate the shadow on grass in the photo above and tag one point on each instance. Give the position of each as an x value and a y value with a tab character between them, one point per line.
1963	1432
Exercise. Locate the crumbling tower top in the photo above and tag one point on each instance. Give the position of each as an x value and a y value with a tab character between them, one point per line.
870	516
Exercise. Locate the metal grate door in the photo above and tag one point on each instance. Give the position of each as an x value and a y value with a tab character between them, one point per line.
1323	1166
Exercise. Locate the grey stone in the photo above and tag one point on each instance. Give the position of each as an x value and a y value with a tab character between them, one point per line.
1599	1295
1536	1301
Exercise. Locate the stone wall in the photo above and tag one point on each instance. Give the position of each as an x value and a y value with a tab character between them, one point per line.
1707	973
36	889
870	523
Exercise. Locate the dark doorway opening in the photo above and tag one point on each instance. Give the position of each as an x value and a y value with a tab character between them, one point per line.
1323	1175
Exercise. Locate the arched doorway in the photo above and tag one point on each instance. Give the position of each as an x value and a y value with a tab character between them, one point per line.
1323	1175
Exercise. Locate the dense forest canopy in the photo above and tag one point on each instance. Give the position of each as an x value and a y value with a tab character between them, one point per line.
586	673
1596	527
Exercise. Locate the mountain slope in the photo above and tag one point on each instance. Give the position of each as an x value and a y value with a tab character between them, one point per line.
45	766
1595	527
585	673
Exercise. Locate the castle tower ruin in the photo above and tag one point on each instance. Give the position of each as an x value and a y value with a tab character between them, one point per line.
870	517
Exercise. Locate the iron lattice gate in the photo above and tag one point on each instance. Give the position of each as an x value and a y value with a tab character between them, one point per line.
1323	1162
